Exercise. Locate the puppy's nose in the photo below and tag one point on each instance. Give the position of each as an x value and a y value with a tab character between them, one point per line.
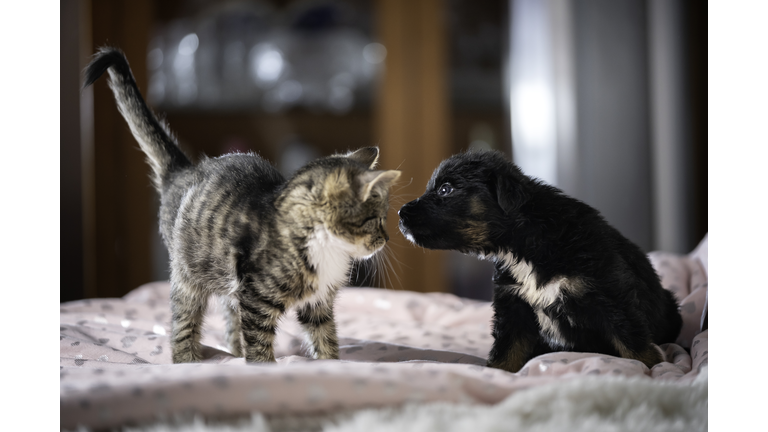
405	210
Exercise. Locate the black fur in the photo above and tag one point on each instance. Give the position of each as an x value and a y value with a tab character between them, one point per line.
564	280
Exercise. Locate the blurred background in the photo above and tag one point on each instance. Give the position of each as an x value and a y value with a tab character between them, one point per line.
606	100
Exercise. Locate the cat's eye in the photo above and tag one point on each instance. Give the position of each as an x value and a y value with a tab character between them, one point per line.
445	190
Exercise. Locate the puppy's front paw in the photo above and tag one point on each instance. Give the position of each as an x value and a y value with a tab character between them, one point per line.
510	365
651	355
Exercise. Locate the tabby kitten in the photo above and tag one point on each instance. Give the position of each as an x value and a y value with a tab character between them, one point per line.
236	228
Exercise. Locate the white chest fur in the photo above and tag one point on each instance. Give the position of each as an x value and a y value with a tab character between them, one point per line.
551	330
528	285
332	259
539	296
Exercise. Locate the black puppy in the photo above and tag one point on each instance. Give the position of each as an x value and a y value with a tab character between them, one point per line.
564	279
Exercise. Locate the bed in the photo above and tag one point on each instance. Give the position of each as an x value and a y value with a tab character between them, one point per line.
409	361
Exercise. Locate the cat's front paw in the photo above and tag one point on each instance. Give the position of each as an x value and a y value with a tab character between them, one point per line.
186	357
327	356
255	356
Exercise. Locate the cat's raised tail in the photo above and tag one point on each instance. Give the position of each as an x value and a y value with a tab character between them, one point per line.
153	135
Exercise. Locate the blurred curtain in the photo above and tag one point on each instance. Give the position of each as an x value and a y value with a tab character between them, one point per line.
596	97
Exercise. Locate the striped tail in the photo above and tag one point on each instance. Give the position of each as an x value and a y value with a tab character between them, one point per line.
153	135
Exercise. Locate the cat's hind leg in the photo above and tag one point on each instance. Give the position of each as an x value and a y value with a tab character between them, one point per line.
187	309
317	320
233	334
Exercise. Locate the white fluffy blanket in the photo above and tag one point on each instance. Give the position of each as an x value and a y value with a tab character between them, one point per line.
588	404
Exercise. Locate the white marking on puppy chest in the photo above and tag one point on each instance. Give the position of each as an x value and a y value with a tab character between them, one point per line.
551	330
528	286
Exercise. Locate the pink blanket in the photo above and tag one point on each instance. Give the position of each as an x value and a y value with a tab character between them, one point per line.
396	347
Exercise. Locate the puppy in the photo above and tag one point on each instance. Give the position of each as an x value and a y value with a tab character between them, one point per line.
564	279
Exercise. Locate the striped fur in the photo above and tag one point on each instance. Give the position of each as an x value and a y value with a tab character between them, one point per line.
235	228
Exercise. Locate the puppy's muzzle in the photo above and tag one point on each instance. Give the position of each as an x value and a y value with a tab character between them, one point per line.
407	212
407	215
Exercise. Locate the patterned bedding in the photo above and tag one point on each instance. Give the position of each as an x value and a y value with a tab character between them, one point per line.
395	346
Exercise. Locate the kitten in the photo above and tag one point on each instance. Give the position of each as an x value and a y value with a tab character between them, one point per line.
236	228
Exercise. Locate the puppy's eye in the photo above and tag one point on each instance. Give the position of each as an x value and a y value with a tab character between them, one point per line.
445	190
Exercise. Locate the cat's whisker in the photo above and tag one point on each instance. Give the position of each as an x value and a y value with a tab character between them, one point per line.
405	246
394	271
379	275
400	200
407	196
391	267
393	256
372	268
410	182
381	267
373	271
388	268
354	270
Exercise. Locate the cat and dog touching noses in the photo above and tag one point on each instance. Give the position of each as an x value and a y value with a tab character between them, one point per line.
234	226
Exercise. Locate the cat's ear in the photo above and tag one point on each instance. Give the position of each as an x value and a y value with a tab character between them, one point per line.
368	156
371	179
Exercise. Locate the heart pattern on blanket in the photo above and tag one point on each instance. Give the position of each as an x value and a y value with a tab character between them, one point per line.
128	341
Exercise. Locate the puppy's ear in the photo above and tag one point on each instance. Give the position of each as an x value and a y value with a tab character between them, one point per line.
510	193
